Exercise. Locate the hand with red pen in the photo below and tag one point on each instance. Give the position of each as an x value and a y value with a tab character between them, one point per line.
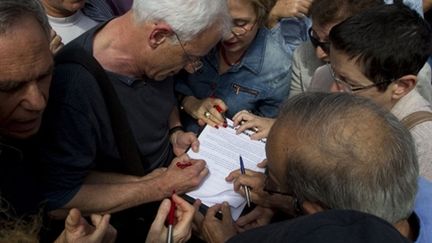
181	221
207	111
184	174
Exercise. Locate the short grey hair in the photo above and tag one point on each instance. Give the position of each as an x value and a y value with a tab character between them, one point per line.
187	18
350	154
12	10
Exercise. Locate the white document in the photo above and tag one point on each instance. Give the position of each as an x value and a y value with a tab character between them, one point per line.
221	148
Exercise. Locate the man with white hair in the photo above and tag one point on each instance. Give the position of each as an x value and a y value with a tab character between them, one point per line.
81	148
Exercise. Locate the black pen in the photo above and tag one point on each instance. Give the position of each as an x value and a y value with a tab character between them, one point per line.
246	188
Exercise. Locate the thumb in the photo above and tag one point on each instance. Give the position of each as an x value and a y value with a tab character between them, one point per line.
73	220
159	221
226	212
262	164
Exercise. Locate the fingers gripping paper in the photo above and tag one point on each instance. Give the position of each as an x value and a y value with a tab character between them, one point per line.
220	148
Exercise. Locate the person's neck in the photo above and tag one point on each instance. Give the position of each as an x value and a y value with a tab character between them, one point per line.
109	50
231	58
406	229
57	13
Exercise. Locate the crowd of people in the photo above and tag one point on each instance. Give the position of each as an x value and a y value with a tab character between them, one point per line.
101	99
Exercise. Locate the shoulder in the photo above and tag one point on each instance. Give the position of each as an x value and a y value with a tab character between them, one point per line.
275	56
423	209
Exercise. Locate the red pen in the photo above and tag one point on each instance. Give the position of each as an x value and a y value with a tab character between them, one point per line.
171	216
219	109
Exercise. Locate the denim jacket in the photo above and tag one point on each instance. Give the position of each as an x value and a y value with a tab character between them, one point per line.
259	83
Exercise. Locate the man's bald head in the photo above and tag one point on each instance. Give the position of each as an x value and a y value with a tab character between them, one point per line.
343	151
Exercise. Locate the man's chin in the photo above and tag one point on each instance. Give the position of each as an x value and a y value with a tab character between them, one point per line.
21	132
22	135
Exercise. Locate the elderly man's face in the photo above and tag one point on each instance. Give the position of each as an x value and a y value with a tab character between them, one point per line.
276	156
177	55
25	76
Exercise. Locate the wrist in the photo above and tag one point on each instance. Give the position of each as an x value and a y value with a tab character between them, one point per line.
188	104
173	132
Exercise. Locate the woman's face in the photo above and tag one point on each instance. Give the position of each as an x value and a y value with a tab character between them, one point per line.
245	26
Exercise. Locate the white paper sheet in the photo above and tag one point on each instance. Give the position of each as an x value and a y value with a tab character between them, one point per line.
221	148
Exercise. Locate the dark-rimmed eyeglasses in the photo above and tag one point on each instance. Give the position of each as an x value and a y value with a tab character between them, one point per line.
325	46
241	30
346	87
272	187
195	62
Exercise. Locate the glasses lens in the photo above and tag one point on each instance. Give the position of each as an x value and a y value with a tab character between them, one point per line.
325	46
343	86
237	30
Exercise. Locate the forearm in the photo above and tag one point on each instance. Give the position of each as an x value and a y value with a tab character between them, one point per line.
174	119
114	197
97	177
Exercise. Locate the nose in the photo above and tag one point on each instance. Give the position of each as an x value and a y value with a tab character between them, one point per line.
322	55
34	97
228	36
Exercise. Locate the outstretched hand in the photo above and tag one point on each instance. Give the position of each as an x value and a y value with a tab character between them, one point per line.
182	228
206	111
288	8
216	230
246	120
78	230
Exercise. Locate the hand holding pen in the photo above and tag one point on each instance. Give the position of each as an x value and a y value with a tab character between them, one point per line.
246	188
206	111
171	216
181	221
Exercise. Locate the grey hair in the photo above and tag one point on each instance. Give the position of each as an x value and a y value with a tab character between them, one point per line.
12	10
350	154
187	18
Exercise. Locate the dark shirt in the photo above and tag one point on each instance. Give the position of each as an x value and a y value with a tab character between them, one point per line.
19	188
329	226
76	133
103	10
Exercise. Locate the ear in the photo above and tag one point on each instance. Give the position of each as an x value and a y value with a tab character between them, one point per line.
403	85
311	208
159	34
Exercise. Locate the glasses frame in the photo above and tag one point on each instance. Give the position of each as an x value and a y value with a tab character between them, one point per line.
245	30
325	46
196	64
348	88
296	202
269	185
